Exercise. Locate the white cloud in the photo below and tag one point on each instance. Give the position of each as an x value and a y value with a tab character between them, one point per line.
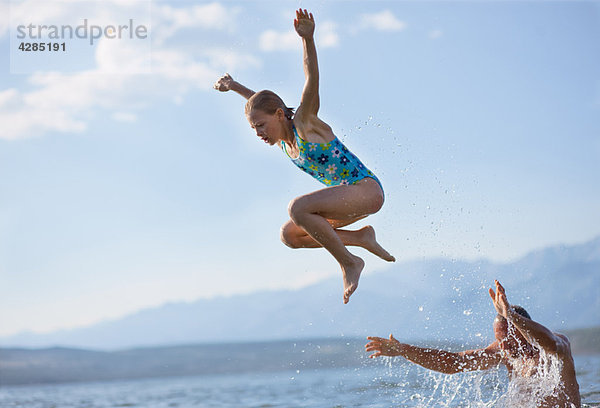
167	20
67	101
214	16
272	40
382	21
124	117
121	57
22	121
228	60
71	12
4	18
325	35
208	16
8	97
435	34
182	70
59	102
35	11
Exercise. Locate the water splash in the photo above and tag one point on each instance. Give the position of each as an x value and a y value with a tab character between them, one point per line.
414	386
541	384
409	385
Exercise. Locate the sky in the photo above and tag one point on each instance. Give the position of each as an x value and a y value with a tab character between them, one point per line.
127	182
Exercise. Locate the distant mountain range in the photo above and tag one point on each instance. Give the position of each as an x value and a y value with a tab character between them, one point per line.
436	299
59	365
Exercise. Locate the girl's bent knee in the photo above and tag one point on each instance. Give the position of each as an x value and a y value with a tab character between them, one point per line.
288	236
296	208
378	204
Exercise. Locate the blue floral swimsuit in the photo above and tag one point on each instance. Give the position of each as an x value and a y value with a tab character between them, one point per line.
330	163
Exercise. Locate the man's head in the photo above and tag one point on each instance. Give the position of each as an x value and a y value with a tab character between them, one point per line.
508	337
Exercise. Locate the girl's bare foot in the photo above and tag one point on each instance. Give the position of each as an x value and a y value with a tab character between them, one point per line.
371	244
351	277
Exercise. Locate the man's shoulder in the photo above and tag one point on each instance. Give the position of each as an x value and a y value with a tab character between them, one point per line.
563	338
563	345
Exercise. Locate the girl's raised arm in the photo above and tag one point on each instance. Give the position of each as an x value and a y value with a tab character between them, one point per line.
304	23
227	83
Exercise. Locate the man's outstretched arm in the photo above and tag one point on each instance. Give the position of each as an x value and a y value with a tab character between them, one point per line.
533	331
442	361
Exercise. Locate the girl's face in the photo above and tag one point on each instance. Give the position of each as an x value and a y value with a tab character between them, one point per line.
267	126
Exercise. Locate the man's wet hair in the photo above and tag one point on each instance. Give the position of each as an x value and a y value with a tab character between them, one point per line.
520	310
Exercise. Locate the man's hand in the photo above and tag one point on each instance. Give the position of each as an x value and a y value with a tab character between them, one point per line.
499	300
304	23
383	347
223	84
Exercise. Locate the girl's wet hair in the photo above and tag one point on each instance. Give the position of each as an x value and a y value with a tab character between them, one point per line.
268	102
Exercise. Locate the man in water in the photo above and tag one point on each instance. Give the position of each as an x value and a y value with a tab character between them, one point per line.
528	350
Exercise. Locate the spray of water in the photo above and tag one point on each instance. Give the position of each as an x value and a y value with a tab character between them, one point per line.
408	385
540	385
412	386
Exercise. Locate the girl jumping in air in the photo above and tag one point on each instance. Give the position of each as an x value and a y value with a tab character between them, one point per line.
353	192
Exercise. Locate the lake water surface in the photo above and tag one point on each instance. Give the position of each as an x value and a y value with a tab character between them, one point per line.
389	384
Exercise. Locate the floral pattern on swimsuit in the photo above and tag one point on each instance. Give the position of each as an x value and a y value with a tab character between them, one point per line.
330	163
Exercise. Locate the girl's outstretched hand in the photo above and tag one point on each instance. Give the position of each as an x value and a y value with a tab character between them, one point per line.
223	84
304	23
